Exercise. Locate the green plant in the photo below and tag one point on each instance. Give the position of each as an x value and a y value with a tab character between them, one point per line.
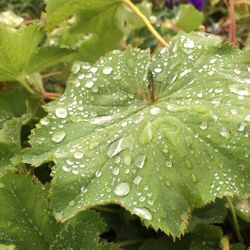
146	151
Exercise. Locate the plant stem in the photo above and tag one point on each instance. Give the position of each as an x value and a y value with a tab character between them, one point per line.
225	243
235	220
157	36
54	73
25	84
232	22
129	242
51	95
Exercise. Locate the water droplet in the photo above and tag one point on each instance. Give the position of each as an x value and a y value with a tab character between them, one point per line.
155	111
247	118
78	155
44	121
204	125
169	164
140	161
107	70
98	173
225	133
239	90
241	127
137	180
89	84
189	44
194	178
72	203
93	69
144	213
158	70
58	136
116	171
61	113
122	189
66	168
75	68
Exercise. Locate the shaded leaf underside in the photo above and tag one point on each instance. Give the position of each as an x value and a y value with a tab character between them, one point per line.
159	160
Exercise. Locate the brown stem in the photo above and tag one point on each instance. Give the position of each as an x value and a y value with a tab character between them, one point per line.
51	95
232	22
28	21
54	73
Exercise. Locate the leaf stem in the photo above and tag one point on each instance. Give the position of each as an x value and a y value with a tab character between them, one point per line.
51	95
232	22
235	220
25	84
225	243
157	36
129	242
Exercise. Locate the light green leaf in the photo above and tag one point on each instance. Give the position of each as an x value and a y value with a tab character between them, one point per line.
83	233
24	216
20	54
7	247
10	144
188	18
158	154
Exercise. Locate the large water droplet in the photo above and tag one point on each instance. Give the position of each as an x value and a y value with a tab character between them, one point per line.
78	155
225	133
140	161
155	111
58	136
122	189
89	84
189	44
107	70
144	213
44	121
137	180
61	113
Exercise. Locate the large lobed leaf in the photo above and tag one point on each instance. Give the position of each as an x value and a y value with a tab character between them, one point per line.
158	155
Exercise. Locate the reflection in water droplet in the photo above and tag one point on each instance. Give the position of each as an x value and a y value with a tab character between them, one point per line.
137	180
78	155
140	161
116	171
204	125
122	189
107	70
58	136
225	133
155	111
61	113
189	44
98	173
144	213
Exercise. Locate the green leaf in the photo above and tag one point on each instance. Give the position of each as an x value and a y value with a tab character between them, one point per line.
7	247
24	216
83	233
20	56
242	207
188	18
213	213
160	154
10	144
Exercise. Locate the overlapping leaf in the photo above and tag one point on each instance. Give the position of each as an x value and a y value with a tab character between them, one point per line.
27	222
158	137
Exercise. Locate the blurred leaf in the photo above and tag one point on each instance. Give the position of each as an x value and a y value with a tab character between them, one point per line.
188	18
7	247
10	19
213	213
242	207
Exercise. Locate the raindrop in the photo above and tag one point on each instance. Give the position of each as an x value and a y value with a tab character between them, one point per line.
89	84
225	133
137	180
72	203
78	155
194	178
58	136
116	171
140	161
44	121
169	164
189	44
241	127
155	111
61	113
122	189
247	118
66	168
144	213
204	125
107	70
75	68
98	173
158	70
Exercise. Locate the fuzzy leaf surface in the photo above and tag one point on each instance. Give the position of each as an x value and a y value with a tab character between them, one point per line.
25	220
158	155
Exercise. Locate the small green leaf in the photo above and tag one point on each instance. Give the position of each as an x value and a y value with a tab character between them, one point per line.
188	18
24	216
158	136
82	233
